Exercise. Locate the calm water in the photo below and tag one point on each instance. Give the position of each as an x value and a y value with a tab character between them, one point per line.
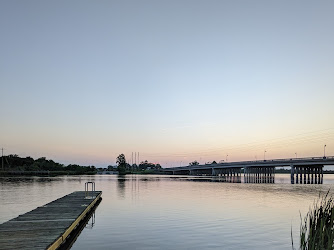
170	212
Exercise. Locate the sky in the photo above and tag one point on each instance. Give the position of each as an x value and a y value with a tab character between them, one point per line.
177	81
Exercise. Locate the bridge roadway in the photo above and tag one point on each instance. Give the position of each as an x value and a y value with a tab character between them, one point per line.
303	170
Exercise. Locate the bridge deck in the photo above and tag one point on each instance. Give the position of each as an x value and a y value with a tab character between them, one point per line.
309	161
47	227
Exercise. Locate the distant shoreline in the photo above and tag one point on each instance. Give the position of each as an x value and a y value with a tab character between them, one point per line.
63	173
42	173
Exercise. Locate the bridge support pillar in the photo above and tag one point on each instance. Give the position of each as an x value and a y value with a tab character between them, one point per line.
245	175
273	175
267	175
322	175
292	174
213	172
312	174
259	175
254	175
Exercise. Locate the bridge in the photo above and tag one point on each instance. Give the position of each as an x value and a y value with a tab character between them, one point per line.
303	170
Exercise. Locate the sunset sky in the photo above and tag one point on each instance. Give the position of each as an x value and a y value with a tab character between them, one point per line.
176	81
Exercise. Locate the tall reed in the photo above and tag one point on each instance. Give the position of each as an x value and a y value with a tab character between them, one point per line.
317	228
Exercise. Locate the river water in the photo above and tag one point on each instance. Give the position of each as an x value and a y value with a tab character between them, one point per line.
175	212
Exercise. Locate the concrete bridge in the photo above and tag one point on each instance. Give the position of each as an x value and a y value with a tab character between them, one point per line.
303	170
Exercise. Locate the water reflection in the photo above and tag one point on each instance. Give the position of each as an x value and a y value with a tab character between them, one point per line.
228	179
25	180
188	212
91	222
87	223
121	186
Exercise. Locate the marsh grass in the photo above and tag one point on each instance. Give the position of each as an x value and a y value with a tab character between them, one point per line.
317	228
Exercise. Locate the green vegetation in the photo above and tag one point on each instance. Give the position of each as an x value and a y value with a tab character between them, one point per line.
15	165
121	164
194	163
144	167
317	228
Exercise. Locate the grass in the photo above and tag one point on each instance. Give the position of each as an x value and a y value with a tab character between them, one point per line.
317	228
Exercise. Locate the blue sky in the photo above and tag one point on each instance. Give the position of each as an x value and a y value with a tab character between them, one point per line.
177	81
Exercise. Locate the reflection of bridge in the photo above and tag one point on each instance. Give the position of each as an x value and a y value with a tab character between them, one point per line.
303	170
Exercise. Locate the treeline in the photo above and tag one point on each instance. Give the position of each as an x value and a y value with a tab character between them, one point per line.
125	168
14	163
145	165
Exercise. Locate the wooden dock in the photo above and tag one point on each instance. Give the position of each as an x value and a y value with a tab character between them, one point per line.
48	226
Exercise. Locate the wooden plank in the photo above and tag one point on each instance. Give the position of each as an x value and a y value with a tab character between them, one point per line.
47	227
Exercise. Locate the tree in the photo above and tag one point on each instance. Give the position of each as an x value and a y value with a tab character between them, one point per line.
194	163
145	165
111	168
121	164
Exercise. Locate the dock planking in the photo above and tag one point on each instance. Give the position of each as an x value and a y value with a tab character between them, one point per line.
48	226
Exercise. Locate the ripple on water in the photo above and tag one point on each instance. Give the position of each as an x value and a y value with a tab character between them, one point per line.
159	212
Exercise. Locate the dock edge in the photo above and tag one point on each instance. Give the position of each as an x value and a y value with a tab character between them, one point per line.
63	237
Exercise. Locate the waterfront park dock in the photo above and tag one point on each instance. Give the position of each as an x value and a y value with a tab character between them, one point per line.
50	226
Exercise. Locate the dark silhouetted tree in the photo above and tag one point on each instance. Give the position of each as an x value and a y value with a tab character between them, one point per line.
194	163
121	164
